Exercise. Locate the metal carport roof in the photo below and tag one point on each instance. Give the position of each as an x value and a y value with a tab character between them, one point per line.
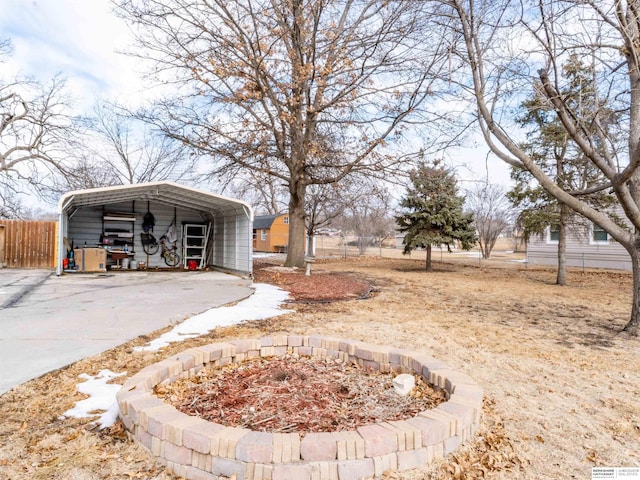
164	192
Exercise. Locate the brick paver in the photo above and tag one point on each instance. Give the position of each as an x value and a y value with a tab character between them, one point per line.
378	440
318	446
199	450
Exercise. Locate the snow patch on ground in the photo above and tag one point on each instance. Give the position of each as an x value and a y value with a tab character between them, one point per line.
468	254
264	303
101	398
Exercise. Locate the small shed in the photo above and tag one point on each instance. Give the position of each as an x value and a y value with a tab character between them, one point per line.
210	230
271	233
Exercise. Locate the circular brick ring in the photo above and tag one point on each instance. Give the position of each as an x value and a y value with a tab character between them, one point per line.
197	449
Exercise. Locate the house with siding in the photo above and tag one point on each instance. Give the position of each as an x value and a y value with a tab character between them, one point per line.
588	246
271	233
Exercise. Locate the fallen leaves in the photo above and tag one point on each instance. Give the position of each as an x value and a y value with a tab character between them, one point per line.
492	451
135	474
317	287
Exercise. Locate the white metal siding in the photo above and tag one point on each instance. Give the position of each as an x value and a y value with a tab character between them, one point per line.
86	226
244	242
218	241
232	243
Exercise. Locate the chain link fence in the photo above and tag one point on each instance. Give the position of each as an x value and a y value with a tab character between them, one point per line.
351	246
355	246
336	246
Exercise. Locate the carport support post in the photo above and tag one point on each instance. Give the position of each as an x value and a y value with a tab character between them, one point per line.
249	214
62	249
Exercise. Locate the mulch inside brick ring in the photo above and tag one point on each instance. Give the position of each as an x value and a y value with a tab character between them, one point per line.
297	394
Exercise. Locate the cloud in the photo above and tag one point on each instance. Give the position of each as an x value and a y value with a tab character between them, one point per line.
79	39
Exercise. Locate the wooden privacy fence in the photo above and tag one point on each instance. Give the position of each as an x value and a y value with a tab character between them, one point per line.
28	244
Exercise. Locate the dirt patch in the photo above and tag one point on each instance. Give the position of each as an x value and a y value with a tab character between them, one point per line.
297	395
561	385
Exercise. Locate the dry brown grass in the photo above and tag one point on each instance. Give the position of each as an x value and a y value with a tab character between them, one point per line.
561	385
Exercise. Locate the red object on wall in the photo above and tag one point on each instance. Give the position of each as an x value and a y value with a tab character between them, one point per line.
192	265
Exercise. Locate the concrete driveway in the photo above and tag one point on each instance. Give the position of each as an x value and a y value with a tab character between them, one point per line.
48	322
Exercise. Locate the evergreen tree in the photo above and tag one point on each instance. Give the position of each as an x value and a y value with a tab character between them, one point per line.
432	212
551	148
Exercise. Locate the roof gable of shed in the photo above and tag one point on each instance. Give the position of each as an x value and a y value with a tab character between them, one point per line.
265	221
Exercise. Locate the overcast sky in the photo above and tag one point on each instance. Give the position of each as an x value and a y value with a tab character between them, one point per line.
80	40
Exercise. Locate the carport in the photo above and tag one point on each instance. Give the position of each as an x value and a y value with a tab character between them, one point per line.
211	230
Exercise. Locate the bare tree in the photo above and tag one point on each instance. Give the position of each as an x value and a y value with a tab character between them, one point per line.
86	172
135	153
368	215
34	131
112	147
342	205
491	214
510	47
263	83
10	207
5	48
325	203
266	194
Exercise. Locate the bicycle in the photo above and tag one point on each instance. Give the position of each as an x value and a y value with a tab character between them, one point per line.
149	243
168	253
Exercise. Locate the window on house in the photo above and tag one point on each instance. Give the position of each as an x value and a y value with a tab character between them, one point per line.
286	220
263	235
599	235
553	234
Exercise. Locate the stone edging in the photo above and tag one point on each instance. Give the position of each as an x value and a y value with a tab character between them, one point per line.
196	449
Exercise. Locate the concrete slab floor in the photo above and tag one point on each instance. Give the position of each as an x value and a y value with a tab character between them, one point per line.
47	322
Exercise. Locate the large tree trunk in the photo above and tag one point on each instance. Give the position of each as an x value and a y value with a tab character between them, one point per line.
561	278
633	325
295	250
428	260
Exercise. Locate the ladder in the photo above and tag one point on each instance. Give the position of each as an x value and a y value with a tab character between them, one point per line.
194	243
